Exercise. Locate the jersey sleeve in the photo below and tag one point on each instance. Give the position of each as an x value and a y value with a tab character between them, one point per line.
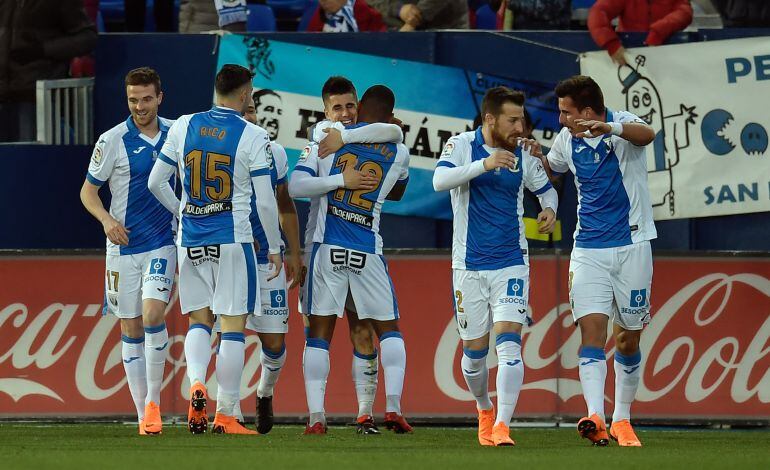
281	162
260	152
557	156
457	152
172	148
318	133
308	160
535	177
625	116
403	176
373	133
103	160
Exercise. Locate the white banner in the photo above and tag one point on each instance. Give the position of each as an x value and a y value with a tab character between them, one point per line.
709	104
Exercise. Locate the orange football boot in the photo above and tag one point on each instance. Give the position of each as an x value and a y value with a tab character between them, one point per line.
486	422
224	424
622	432
197	419
501	435
593	429
142	432
152	421
317	428
396	423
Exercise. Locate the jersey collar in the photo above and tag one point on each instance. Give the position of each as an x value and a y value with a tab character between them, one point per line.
134	131
223	110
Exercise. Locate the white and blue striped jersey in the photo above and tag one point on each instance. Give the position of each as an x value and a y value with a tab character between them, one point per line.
488	230
614	207
124	157
351	218
279	169
217	153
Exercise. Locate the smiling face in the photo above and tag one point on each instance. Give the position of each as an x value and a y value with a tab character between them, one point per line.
643	100
341	108
269	110
143	102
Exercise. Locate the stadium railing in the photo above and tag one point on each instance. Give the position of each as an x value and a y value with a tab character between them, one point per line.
65	111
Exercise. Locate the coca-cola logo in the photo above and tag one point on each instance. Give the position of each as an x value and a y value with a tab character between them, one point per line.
674	357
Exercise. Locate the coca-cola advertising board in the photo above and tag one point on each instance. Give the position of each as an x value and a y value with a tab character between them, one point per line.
706	352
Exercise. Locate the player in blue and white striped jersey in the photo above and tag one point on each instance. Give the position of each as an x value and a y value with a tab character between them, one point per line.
610	271
141	257
222	160
486	171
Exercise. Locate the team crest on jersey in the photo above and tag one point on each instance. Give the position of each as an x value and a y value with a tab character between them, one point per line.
304	154
97	156
269	152
448	149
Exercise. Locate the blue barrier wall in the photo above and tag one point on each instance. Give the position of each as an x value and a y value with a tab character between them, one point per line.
51	215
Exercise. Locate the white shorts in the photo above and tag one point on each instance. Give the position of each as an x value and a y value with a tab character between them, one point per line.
221	277
130	279
482	298
613	281
334	271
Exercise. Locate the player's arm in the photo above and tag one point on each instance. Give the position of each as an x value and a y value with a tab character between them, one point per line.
377	132
165	167
636	132
267	208
555	162
536	180
454	167
287	214
305	181
99	171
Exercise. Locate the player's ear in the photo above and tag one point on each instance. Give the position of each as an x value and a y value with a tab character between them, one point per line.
160	97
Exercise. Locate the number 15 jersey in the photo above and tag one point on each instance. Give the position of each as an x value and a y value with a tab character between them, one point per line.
217	152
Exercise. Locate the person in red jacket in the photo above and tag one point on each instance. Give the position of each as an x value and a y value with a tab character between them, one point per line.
345	16
661	18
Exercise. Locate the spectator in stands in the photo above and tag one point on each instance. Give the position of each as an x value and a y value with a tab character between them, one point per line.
411	15
660	18
37	41
345	16
162	10
198	16
744	13
540	14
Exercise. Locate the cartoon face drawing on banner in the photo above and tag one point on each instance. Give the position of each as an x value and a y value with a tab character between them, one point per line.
269	108
671	131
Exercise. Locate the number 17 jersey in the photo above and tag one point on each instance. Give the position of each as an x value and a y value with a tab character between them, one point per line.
217	153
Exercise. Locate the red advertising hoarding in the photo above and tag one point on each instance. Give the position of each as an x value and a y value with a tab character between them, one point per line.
706	353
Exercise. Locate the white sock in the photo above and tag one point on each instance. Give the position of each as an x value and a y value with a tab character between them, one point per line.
476	373
134	364
197	352
593	373
229	370
510	375
393	357
315	366
272	363
155	350
237	410
627	372
365	379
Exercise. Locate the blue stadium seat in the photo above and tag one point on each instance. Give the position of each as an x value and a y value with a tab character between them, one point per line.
307	15
261	18
582	4
486	18
285	8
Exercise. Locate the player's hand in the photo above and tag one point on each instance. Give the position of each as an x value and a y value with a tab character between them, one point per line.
546	220
410	14
294	269
532	146
619	57
331	143
499	159
593	128
397	121
276	260
355	179
116	232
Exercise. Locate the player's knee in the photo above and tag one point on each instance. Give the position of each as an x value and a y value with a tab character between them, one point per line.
153	312
627	342
362	338
273	343
593	330
132	327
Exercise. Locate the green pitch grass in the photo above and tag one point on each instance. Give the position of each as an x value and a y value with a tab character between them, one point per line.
98	446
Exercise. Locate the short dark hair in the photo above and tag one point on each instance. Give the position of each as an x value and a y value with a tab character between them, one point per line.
337	86
230	78
496	97
143	76
583	91
378	102
260	93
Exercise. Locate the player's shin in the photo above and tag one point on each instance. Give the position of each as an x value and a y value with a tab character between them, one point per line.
592	367
315	366
197	351
155	350
476	374
627	373
134	365
510	375
272	362
228	372
394	366
365	380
